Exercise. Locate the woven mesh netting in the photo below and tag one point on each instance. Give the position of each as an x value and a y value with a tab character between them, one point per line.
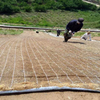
32	60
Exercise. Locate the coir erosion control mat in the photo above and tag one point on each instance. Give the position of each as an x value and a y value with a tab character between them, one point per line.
34	60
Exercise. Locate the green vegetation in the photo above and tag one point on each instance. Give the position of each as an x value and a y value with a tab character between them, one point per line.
15	6
52	19
79	34
10	32
94	34
44	13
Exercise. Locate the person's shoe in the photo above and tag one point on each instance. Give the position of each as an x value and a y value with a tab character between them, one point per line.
65	40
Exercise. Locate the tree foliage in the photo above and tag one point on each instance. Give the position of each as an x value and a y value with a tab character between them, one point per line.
13	6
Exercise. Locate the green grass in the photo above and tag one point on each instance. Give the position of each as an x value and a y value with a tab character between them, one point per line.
51	19
79	34
10	32
93	34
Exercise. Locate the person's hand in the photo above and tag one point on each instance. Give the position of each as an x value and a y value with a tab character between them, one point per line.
73	32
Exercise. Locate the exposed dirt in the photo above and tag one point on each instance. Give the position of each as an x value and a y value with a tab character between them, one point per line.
32	60
92	2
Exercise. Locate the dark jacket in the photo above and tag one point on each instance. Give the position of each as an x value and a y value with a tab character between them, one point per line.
73	26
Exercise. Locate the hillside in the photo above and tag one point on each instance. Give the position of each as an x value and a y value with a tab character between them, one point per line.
15	6
51	18
40	13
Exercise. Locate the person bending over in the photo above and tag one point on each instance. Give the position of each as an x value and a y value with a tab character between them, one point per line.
73	26
86	36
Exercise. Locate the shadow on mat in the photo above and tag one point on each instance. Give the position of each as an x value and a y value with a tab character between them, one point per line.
75	42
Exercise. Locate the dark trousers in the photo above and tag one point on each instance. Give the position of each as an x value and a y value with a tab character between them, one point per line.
67	36
58	32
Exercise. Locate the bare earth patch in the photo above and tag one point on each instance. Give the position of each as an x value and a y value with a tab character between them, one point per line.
33	60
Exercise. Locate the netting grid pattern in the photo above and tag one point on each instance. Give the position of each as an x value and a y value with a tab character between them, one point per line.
32	60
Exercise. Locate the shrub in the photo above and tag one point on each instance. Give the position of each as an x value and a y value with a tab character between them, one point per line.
6	8
99	9
40	8
22	4
16	9
13	6
27	9
22	0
